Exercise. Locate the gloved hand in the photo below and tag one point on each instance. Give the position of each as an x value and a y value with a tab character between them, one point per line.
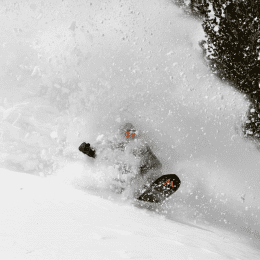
86	149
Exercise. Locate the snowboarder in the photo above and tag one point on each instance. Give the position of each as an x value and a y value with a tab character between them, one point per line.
127	141
135	161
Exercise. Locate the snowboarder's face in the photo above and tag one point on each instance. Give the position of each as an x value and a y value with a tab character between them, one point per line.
130	133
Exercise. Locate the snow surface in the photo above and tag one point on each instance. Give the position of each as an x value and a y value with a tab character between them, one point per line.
74	70
46	220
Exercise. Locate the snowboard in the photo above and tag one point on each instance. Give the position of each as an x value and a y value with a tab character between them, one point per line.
161	189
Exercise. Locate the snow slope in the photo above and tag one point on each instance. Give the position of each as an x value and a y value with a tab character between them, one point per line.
71	70
43	219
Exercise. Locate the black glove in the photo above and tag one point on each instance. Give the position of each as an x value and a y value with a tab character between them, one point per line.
86	149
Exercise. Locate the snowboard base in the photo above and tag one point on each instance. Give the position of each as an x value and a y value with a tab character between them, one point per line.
161	189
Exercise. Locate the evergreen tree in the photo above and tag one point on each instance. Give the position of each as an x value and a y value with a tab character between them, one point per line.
232	49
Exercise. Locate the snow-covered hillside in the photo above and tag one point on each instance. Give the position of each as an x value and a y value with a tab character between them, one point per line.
46	220
71	70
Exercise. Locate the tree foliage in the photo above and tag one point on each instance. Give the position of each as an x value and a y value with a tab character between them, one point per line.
233	42
232	48
196	8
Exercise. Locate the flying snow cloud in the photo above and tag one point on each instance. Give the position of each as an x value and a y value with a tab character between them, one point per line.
73	70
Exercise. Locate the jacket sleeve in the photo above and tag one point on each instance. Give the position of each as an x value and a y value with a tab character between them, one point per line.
148	160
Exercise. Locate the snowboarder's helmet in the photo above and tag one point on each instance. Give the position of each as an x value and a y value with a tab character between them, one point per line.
128	127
